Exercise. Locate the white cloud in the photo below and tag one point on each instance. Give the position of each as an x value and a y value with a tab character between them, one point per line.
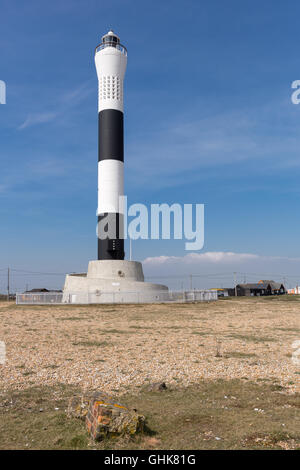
38	118
196	258
77	95
69	99
217	268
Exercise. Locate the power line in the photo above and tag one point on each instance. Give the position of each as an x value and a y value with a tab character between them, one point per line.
7	283
37	272
171	276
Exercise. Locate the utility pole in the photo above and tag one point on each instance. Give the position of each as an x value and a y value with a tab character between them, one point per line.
191	281
7	283
235	290
130	249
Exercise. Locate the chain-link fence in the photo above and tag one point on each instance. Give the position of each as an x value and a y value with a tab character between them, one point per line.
39	299
128	297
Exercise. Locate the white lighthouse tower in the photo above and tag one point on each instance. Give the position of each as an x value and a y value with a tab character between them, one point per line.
110	61
110	278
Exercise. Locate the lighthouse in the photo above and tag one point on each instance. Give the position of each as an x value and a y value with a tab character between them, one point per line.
110	278
110	61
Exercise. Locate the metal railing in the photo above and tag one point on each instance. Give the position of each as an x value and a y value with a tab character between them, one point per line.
103	45
128	297
39	299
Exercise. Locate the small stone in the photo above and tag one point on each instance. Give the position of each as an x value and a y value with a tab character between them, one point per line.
157	387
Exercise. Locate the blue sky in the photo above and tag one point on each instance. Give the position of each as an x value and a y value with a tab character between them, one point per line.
208	119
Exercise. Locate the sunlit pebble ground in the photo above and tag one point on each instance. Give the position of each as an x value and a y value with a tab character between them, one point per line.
176	344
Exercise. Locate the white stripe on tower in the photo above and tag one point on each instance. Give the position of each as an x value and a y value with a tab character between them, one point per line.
110	185
111	61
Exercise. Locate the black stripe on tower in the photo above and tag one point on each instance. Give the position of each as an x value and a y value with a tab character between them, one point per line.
112	248
111	146
111	135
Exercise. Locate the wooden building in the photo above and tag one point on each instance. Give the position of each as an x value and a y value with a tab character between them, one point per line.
264	287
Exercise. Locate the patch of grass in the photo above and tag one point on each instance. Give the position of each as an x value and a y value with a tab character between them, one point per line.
238	354
292	330
178	418
276	436
281	298
136	327
114	331
252	338
71	318
276	387
79	442
173	327
28	372
92	343
275	439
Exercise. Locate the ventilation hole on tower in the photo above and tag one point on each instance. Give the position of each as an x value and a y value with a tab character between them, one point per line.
121	274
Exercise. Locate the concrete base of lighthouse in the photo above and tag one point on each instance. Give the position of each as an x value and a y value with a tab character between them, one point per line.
112	281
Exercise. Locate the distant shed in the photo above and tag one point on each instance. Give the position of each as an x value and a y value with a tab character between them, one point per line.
41	290
36	290
264	287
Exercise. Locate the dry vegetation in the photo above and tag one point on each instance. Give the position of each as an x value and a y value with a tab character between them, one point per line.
227	365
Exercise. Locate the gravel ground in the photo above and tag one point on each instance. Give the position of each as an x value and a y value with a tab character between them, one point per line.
124	347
